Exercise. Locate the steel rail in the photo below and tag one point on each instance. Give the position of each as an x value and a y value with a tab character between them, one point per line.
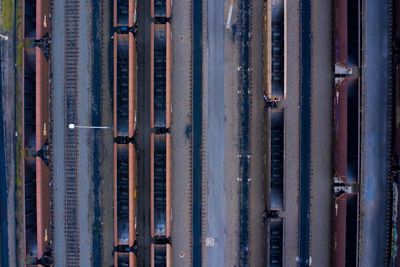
71	137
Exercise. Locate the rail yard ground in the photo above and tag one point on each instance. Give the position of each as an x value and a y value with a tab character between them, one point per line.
63	243
321	133
8	126
375	133
290	105
181	132
257	190
143	132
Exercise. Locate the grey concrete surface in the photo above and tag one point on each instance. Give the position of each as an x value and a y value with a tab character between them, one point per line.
257	246
181	142
321	133
143	132
107	143
374	152
59	121
290	106
215	133
85	136
231	138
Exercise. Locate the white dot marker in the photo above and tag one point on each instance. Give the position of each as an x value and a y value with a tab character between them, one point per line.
71	126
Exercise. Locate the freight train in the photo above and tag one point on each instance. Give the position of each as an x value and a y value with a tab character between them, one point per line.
124	115
274	91
160	139
36	130
346	132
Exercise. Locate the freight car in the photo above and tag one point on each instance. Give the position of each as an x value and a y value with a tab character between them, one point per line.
124	116
160	139
36	133
274	130
346	132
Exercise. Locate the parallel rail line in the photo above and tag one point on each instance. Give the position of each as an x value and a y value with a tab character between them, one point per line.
196	144
305	135
245	101
71	137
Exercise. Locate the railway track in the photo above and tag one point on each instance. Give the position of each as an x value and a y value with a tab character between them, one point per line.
245	101
70	150
197	132
305	134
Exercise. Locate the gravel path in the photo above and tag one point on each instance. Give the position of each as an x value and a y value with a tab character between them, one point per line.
181	118
58	120
321	133
215	133
257	186
290	105
85	137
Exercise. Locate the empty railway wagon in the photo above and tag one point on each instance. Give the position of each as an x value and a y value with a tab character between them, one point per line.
124	116
160	139
37	192
346	133
274	46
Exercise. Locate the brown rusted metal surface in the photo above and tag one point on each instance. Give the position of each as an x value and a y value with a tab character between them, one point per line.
340	212
339	233
42	173
152	75
168	197
340	107
152	185
115	196
168	69
169	255
345	230
132	259
341	32
42	18
169	8
42	128
115	13
132	85
29	163
115	130
340	118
